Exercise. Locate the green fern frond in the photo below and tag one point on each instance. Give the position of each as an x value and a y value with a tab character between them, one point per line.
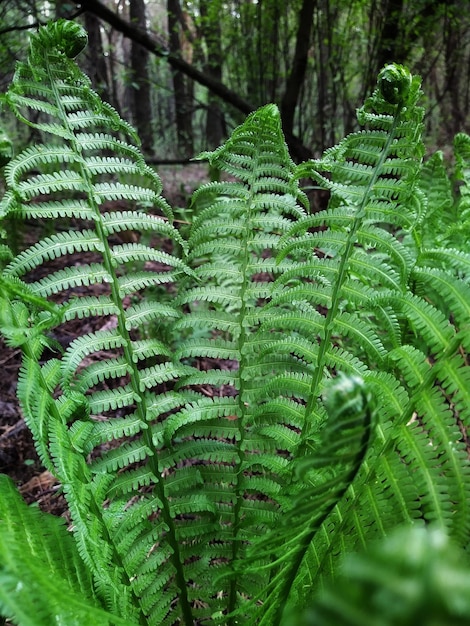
449	257
326	475
218	479
452	293
75	276
52	248
89	306
87	159
31	594
373	177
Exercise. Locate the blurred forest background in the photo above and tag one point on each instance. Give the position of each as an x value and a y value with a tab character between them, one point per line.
186	72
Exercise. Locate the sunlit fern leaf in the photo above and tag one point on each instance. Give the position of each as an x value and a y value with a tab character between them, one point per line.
30	593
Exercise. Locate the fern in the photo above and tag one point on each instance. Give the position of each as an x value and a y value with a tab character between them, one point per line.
412	591
83	132
308	391
238	226
416	465
28	541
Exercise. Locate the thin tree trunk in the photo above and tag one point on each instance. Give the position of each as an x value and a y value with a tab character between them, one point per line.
299	66
210	31
96	60
183	115
454	64
392	46
141	95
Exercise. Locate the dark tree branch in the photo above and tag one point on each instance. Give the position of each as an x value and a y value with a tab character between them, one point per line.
34	25
151	43
12	29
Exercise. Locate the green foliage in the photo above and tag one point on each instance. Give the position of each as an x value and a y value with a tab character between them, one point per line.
31	593
394	82
307	394
415	577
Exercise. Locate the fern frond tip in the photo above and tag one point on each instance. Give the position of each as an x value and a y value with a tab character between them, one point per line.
64	35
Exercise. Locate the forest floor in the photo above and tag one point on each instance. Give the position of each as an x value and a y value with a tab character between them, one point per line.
18	457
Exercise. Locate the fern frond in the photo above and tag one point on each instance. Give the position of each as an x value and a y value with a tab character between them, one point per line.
89	306
326	475
52	248
74	276
30	594
373	177
87	160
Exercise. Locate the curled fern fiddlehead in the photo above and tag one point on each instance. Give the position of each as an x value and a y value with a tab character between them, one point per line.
63	35
394	83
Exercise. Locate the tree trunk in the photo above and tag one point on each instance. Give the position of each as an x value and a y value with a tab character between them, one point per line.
393	47
454	113
210	31
299	66
96	60
183	113
141	96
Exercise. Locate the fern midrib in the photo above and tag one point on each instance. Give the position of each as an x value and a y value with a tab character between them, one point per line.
141	405
292	570
335	297
242	408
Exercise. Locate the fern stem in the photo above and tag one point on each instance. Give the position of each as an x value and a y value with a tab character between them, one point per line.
141	405
325	340
239	485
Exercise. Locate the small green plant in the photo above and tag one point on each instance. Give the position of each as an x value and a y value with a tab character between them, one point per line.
309	393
